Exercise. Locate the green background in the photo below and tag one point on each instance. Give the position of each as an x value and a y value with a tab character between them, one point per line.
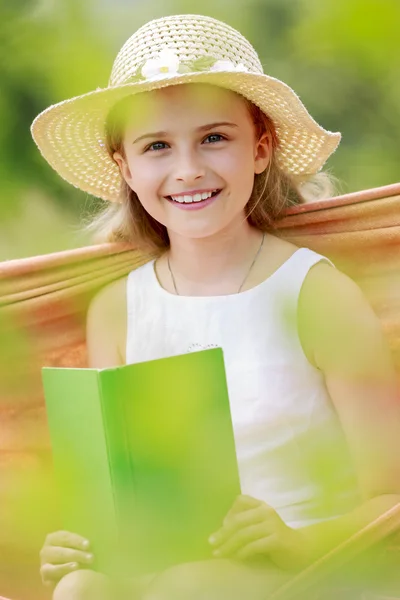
340	56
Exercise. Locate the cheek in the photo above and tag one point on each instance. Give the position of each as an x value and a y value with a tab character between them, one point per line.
239	162
241	168
145	176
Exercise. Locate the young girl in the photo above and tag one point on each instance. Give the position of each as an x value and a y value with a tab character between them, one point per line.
198	153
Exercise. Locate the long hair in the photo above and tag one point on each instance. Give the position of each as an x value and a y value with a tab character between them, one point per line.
273	192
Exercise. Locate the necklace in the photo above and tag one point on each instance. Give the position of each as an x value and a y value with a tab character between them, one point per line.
244	280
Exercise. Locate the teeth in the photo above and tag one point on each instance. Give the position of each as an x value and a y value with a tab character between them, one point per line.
196	198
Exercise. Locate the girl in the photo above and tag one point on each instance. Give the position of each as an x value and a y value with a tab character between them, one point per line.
198	153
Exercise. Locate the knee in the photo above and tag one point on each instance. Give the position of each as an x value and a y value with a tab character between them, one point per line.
172	584
83	585
189	581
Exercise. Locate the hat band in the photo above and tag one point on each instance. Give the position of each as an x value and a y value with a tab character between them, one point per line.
167	65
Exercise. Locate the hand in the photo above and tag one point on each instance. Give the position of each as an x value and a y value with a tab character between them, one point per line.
252	528
63	552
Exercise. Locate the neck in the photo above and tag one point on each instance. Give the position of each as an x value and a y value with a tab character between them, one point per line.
202	263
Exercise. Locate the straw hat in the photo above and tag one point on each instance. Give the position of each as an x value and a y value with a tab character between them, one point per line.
169	51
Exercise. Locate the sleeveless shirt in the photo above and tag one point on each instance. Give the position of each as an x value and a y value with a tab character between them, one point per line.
290	447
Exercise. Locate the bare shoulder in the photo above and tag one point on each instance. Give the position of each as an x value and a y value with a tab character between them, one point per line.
280	247
106	325
276	252
322	283
110	300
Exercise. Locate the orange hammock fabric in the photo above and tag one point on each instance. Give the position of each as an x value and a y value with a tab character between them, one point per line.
43	303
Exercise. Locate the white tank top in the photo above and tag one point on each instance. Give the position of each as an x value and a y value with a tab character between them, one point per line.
290	447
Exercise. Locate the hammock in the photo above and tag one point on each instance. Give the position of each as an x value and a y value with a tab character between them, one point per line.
43	303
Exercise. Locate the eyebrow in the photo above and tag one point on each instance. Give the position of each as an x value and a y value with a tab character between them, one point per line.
202	128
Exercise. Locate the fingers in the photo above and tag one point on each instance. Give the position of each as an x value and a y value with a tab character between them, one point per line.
51	574
243	519
261	546
58	556
67	540
261	514
241	538
235	522
241	504
62	553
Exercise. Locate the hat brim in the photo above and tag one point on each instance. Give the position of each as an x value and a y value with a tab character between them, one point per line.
71	134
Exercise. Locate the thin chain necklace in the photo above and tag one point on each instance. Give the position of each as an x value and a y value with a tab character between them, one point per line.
244	280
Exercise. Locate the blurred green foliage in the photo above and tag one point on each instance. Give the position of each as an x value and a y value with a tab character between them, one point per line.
340	56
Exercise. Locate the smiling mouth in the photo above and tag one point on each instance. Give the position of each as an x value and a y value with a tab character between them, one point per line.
192	201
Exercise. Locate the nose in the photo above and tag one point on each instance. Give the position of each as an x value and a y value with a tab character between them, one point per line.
189	166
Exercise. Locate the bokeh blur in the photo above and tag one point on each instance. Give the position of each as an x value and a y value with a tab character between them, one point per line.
342	57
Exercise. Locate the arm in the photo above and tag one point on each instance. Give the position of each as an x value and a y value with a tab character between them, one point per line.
64	552
348	345
106	326
340	335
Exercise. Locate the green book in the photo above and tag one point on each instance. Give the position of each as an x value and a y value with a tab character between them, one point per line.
144	457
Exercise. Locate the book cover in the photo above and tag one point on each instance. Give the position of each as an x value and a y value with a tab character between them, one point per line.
144	456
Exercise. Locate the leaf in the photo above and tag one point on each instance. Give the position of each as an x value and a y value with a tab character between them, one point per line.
137	75
185	68
204	63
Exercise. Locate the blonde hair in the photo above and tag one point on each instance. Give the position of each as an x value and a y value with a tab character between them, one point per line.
273	192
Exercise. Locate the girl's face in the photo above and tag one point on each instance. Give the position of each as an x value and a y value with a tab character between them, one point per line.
188	140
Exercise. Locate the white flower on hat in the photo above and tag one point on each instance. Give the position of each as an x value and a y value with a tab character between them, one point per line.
165	65
228	65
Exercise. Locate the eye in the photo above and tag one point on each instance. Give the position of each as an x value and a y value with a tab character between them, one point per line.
214	137
155	146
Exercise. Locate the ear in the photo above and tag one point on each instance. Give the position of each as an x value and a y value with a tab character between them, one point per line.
123	167
263	151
